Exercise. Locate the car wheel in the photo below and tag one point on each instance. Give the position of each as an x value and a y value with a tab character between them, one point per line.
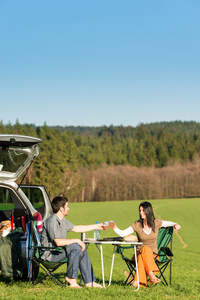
35	272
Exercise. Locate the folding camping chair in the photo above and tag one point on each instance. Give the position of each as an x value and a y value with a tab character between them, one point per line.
163	258
34	250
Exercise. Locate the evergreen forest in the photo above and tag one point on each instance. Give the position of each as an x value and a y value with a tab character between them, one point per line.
149	161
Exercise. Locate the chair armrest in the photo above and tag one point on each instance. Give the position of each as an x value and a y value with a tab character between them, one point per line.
39	248
59	249
167	251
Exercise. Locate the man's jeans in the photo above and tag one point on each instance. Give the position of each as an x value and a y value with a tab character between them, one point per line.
77	259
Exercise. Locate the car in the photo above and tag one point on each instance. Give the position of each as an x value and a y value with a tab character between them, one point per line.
19	203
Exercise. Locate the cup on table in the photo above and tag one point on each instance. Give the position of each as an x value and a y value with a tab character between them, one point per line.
111	224
106	225
83	236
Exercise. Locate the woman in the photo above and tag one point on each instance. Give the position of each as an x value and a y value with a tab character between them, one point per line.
146	229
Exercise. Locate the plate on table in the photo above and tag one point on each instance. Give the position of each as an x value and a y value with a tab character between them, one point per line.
112	239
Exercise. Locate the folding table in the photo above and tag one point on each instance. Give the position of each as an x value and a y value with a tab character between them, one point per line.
114	243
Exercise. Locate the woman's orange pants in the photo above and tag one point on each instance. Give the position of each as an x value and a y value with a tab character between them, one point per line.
146	263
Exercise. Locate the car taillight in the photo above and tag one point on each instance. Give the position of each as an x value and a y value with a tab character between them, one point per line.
37	219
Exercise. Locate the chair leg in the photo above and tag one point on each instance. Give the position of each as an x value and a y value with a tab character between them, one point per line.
49	273
52	275
170	274
129	282
131	269
161	276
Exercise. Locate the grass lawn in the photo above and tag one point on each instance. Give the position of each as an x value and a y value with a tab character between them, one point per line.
186	250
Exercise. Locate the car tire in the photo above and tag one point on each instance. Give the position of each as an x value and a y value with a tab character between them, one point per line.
35	272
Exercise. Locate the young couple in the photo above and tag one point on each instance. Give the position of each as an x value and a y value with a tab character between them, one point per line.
57	226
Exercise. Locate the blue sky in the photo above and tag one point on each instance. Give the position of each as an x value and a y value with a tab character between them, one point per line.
94	63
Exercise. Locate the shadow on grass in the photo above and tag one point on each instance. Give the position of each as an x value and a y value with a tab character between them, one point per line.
12	280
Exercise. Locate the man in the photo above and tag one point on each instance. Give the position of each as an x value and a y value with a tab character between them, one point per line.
54	235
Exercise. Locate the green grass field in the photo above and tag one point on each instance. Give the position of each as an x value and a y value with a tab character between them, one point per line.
186	250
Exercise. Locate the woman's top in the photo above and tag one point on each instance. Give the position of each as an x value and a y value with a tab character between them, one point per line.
147	238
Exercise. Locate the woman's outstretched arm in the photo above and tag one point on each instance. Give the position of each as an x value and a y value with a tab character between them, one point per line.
124	232
171	224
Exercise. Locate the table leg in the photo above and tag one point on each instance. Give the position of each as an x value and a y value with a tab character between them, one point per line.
102	265
111	270
136	267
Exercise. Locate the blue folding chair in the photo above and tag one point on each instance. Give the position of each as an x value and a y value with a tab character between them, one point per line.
34	261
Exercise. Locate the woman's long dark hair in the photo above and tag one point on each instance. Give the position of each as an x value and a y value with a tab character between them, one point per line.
148	210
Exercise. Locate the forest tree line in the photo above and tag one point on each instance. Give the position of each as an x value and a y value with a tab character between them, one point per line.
150	161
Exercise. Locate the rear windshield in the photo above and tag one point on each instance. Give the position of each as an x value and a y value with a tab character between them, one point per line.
35	196
11	160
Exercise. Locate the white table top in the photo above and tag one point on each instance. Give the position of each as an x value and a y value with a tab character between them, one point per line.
93	241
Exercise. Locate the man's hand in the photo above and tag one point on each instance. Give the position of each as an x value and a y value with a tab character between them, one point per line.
100	226
82	245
